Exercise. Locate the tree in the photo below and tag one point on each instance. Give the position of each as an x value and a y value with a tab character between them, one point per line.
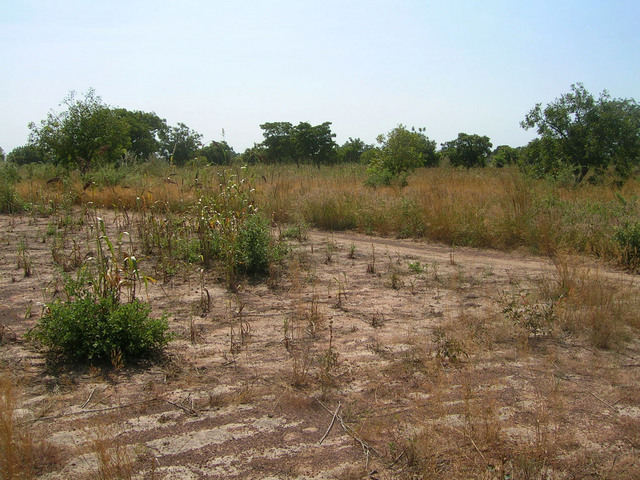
179	144
304	142
1	155
314	144
585	134
504	155
351	151
86	133
217	153
144	131
278	141
468	150
24	155
401	150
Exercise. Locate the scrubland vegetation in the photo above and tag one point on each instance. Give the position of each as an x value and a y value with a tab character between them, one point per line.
487	208
457	313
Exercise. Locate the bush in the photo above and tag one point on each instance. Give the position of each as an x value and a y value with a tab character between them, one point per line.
401	151
92	328
10	202
256	250
628	238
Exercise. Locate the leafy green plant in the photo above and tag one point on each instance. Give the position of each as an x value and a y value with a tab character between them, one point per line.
417	267
91	328
92	323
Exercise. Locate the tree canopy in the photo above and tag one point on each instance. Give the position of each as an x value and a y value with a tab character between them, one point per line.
401	150
585	134
468	150
89	133
86	133
284	142
180	143
217	153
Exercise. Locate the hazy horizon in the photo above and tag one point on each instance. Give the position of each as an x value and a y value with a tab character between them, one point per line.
363	66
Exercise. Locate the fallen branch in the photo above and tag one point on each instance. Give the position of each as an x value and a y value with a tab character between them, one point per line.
333	420
89	399
189	410
84	412
366	448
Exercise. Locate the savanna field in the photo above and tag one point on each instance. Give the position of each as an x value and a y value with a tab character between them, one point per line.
291	322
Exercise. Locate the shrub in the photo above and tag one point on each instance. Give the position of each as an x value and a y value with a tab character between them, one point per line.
401	151
91	328
10	202
231	231
628	238
255	248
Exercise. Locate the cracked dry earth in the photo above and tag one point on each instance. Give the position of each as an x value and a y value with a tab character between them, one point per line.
363	357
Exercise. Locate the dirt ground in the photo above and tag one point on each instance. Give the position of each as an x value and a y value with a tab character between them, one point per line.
363	357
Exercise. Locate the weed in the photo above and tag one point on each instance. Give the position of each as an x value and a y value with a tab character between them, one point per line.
535	318
448	349
371	265
295	232
24	259
114	460
341	284
417	268
395	280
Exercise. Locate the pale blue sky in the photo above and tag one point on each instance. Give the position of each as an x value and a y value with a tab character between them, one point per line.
366	66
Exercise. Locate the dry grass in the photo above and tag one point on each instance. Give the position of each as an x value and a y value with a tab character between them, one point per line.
497	208
114	460
16	446
20	456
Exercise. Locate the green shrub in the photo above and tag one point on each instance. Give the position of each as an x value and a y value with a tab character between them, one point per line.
628	238
91	328
10	202
256	250
230	230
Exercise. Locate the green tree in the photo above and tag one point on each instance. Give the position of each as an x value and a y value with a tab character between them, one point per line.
401	150
218	153
2	159
314	144
24	155
468	150
144	131
284	142
585	134
87	133
504	155
180	144
352	150
278	141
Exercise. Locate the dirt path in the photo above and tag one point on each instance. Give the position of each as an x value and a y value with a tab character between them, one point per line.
399	337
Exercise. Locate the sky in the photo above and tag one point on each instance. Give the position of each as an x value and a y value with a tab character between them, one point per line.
225	67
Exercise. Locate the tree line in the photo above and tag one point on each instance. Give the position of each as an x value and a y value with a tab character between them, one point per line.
579	136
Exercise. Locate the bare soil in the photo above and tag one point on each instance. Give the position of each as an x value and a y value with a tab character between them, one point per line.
406	341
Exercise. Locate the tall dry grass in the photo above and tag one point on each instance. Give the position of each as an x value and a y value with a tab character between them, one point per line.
495	208
16	446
